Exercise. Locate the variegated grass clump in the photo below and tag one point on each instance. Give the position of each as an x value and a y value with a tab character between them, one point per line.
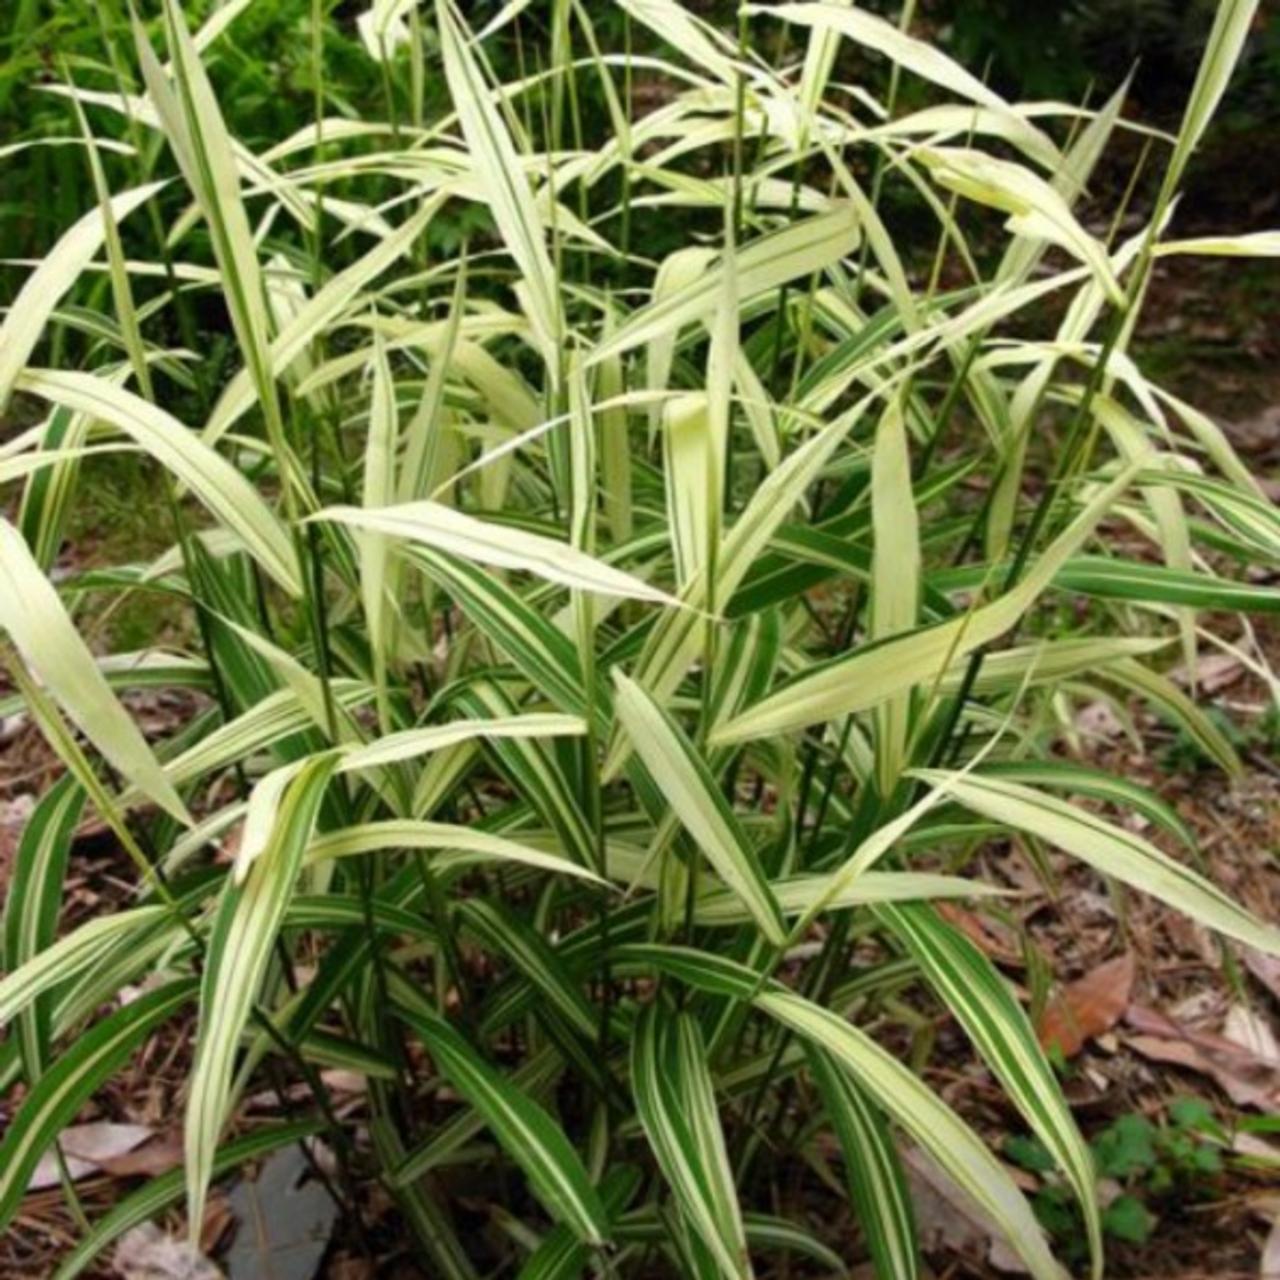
606	663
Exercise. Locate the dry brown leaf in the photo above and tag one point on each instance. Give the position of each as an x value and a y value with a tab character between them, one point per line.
162	1153
950	1220
1088	1007
1269	1267
1247	1079
994	940
87	1148
1253	1032
147	1253
1265	968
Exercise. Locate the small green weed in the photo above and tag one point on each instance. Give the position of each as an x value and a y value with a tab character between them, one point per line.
1152	1163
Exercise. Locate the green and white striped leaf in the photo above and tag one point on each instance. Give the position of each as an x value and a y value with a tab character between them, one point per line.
1111	850
895	590
501	174
33	903
675	1101
760	265
978	997
433	525
526	1132
868	677
1035	209
502	931
71	1080
45	287
874	1173
192	122
70	955
408	744
455	843
688	787
890	1083
209	477
243	936
42	632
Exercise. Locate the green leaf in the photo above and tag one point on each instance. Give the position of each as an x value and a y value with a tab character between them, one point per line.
244	934
877	1184
1110	850
1127	1218
56	1097
689	788
676	1104
526	1132
38	625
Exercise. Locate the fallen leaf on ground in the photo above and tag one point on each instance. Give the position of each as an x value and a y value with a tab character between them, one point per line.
996	941
147	1253
162	1153
1214	671
950	1220
1253	1032
283	1221
1098	720
88	1148
1270	1265
13	818
1265	968
1088	1007
1248	1080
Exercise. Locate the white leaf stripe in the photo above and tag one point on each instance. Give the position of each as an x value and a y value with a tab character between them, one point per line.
976	994
874	1174
797	895
687	785
244	933
688	1053
1110	850
527	1133
71	1079
38	625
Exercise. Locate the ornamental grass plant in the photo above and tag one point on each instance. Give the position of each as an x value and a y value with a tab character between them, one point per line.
627	583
